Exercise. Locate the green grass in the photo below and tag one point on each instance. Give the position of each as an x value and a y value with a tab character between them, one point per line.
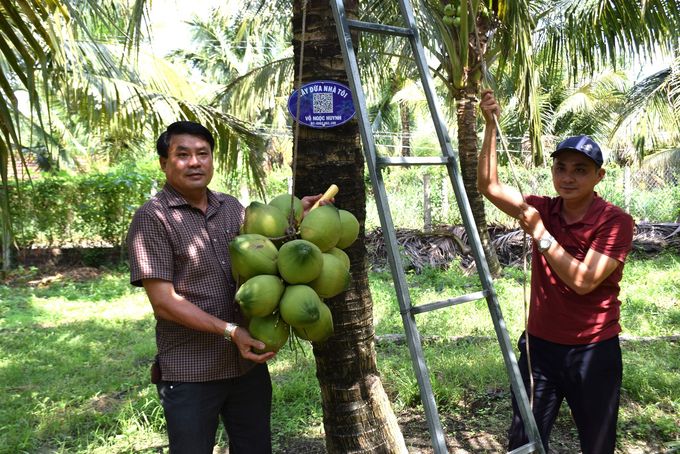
75	357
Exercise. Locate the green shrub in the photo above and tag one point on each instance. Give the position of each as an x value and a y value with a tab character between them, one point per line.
94	208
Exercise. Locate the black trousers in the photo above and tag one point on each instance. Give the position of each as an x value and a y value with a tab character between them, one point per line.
588	377
192	412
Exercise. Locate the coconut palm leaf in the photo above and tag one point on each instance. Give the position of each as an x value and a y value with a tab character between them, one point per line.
590	108
247	54
585	35
71	60
264	88
35	45
668	159
649	116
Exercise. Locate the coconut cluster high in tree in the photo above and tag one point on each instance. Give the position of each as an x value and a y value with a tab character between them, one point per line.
287	263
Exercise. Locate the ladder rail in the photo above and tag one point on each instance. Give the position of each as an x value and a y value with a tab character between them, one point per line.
375	164
426	79
468	222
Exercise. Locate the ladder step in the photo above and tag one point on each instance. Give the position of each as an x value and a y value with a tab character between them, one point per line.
379	28
525	449
413	161
449	302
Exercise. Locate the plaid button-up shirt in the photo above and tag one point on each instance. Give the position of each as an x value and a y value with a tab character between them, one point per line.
171	240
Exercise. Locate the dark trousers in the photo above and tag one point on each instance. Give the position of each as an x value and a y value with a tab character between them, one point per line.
587	376
192	412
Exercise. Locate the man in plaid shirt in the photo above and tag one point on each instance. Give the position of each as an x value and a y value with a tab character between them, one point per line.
178	249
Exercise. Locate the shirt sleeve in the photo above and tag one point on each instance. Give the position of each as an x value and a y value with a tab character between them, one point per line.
541	203
614	237
149	249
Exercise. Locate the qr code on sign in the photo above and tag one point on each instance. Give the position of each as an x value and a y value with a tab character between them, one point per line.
322	103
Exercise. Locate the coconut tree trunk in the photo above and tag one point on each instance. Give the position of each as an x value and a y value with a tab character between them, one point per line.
5	225
427	207
357	413
467	150
405	117
466	116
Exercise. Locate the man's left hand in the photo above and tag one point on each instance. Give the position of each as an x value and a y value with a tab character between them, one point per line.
530	221
245	344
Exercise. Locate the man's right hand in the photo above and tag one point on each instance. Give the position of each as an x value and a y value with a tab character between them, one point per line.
489	107
246	343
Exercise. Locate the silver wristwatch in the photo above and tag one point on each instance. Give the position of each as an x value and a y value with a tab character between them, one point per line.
545	242
229	330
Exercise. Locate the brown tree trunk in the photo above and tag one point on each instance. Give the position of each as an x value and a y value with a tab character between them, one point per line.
466	112
405	117
357	413
467	150
427	207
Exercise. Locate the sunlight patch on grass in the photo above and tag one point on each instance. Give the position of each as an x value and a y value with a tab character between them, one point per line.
58	310
50	311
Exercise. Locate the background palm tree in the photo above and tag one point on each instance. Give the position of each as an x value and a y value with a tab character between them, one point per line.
69	67
648	124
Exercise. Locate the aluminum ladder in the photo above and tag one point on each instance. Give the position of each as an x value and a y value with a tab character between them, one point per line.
375	165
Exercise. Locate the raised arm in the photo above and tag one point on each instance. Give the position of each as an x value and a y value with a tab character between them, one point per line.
506	198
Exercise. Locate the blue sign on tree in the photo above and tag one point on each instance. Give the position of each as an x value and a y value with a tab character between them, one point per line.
323	104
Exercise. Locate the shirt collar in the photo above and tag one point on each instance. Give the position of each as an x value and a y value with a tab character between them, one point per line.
591	215
175	199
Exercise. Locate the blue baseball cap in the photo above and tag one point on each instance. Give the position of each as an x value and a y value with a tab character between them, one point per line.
581	144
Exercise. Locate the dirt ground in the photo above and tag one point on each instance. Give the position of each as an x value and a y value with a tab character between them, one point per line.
463	436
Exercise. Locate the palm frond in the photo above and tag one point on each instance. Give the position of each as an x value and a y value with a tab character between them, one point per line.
663	159
584	35
649	118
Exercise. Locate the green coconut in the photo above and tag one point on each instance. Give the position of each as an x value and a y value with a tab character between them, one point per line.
322	227
271	330
342	255
299	305
320	330
259	295
333	279
265	220
282	202
252	254
299	261
349	229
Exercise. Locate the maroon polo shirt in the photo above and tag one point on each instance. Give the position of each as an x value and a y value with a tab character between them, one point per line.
557	313
171	240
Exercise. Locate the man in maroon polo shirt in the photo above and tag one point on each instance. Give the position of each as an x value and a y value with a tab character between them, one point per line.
580	244
178	250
